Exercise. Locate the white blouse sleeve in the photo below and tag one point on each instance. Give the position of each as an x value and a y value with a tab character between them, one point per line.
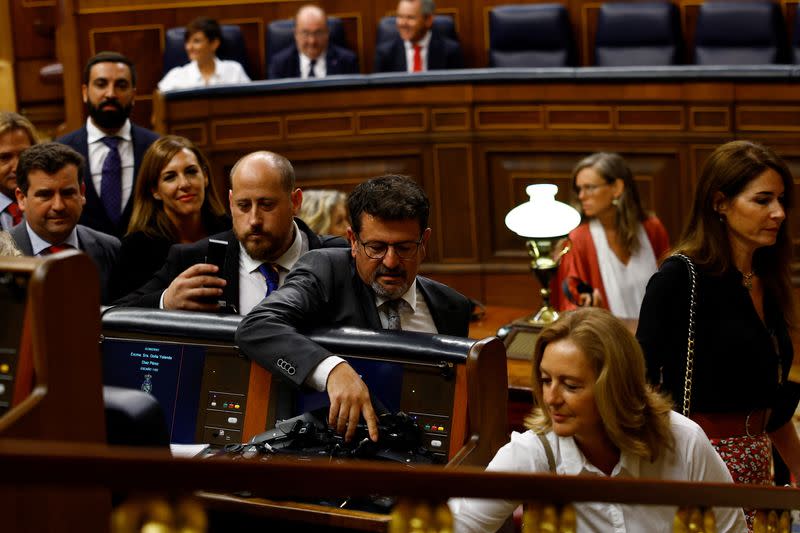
171	81
473	515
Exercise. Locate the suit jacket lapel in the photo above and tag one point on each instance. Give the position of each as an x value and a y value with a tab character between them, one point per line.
435	53
20	235
366	298
294	64
437	308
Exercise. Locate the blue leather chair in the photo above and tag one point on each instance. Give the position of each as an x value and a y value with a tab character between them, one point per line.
280	34
530	35
231	47
740	33
630	34
442	24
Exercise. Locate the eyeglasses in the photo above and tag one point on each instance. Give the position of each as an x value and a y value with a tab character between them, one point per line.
317	34
379	249
590	188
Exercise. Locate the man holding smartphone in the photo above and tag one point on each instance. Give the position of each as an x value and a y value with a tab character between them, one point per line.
265	242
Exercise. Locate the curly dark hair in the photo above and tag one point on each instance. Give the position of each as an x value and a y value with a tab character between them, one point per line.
389	197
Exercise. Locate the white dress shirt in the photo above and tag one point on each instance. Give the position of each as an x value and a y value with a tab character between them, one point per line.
189	77
6	220
98	152
693	459
39	245
423	43
320	67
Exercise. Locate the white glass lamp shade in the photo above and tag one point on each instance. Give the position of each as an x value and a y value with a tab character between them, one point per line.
542	216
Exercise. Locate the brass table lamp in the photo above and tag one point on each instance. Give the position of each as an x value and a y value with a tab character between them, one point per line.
543	222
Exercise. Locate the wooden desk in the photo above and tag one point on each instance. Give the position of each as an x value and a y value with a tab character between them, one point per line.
519	371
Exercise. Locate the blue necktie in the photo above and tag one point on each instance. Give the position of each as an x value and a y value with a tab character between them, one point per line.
111	181
270	274
311	65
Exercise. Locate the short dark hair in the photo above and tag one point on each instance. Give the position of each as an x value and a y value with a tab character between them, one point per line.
208	26
390	197
48	157
108	57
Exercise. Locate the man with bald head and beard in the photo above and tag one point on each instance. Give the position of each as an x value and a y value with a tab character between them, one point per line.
112	146
264	244
374	284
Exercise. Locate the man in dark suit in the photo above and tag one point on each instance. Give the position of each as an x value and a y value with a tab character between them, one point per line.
264	244
50	192
112	146
312	55
374	285
418	47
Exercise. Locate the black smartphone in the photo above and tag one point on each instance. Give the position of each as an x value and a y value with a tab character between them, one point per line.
217	250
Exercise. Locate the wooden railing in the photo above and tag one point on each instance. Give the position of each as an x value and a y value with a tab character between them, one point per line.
90	466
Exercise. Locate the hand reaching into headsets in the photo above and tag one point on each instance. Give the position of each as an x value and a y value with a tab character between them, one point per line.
349	400
196	289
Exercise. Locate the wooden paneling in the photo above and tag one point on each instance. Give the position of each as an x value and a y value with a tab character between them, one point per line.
475	147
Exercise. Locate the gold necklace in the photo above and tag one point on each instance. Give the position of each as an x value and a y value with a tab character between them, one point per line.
747	280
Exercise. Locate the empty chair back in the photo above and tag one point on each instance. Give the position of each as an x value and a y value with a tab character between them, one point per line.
442	25
734	33
630	34
231	47
280	34
796	40
530	35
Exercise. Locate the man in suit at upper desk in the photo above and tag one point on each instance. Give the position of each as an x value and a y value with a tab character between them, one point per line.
374	284
312	56
112	146
50	191
264	244
418	47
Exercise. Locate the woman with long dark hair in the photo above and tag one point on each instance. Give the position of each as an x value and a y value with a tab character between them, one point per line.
714	323
173	202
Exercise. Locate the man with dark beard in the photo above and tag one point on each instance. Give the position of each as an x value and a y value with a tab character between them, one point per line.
264	244
112	146
372	285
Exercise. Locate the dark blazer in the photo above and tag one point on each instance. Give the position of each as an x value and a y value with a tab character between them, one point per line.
338	60
324	289
94	215
443	54
182	256
101	248
142	255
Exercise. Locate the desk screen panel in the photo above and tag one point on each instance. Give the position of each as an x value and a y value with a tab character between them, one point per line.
202	389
